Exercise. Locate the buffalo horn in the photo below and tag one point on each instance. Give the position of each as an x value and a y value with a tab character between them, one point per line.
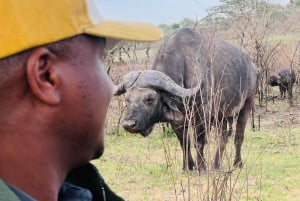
128	81
155	79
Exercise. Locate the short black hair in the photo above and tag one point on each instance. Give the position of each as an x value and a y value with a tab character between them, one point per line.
66	48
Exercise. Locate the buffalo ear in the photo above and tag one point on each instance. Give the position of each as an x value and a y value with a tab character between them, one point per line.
171	111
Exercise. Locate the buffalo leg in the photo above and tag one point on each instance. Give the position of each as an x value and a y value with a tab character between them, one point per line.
290	90
199	144
230	122
185	143
222	140
240	130
283	89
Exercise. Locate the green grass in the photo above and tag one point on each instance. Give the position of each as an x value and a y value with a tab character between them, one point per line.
149	168
273	166
284	39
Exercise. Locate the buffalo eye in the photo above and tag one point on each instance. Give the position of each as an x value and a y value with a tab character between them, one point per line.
149	101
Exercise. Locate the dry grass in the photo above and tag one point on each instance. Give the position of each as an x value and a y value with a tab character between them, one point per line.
149	168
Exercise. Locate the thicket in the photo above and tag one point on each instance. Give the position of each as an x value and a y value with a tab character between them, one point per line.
269	32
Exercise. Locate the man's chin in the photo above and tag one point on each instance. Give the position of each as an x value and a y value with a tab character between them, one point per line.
99	152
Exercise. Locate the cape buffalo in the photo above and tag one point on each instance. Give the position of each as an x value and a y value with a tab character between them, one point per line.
285	79
193	78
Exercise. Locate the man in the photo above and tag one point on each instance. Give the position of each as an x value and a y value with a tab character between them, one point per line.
54	96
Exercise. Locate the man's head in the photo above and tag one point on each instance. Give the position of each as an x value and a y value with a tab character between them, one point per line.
54	92
57	96
27	24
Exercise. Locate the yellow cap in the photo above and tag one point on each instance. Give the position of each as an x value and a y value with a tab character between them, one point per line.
30	23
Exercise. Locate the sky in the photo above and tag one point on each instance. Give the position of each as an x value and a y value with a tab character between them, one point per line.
157	11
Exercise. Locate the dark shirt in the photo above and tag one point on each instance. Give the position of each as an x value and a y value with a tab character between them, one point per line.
68	192
82	184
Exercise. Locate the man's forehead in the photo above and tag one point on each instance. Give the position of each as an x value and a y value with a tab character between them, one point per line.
102	43
99	42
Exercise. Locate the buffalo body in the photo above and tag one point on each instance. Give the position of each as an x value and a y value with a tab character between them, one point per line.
285	79
195	81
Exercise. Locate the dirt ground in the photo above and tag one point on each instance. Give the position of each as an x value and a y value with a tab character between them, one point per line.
278	113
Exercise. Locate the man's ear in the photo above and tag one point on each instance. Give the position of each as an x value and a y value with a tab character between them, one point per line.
42	76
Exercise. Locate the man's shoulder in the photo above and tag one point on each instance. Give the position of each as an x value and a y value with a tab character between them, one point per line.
67	192
6	193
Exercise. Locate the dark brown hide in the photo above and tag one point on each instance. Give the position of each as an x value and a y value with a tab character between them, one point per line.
226	79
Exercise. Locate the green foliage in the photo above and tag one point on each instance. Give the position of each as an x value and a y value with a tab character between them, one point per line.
141	168
187	22
167	131
235	11
296	2
167	29
175	26
284	39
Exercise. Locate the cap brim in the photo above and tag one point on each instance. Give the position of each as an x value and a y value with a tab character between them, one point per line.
116	31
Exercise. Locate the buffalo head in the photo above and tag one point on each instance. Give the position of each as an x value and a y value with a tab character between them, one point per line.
151	97
274	80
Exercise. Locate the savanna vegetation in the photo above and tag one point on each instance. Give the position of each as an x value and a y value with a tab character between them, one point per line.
149	168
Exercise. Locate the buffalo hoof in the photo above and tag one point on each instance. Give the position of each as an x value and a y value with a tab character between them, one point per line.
201	168
238	163
217	164
189	166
